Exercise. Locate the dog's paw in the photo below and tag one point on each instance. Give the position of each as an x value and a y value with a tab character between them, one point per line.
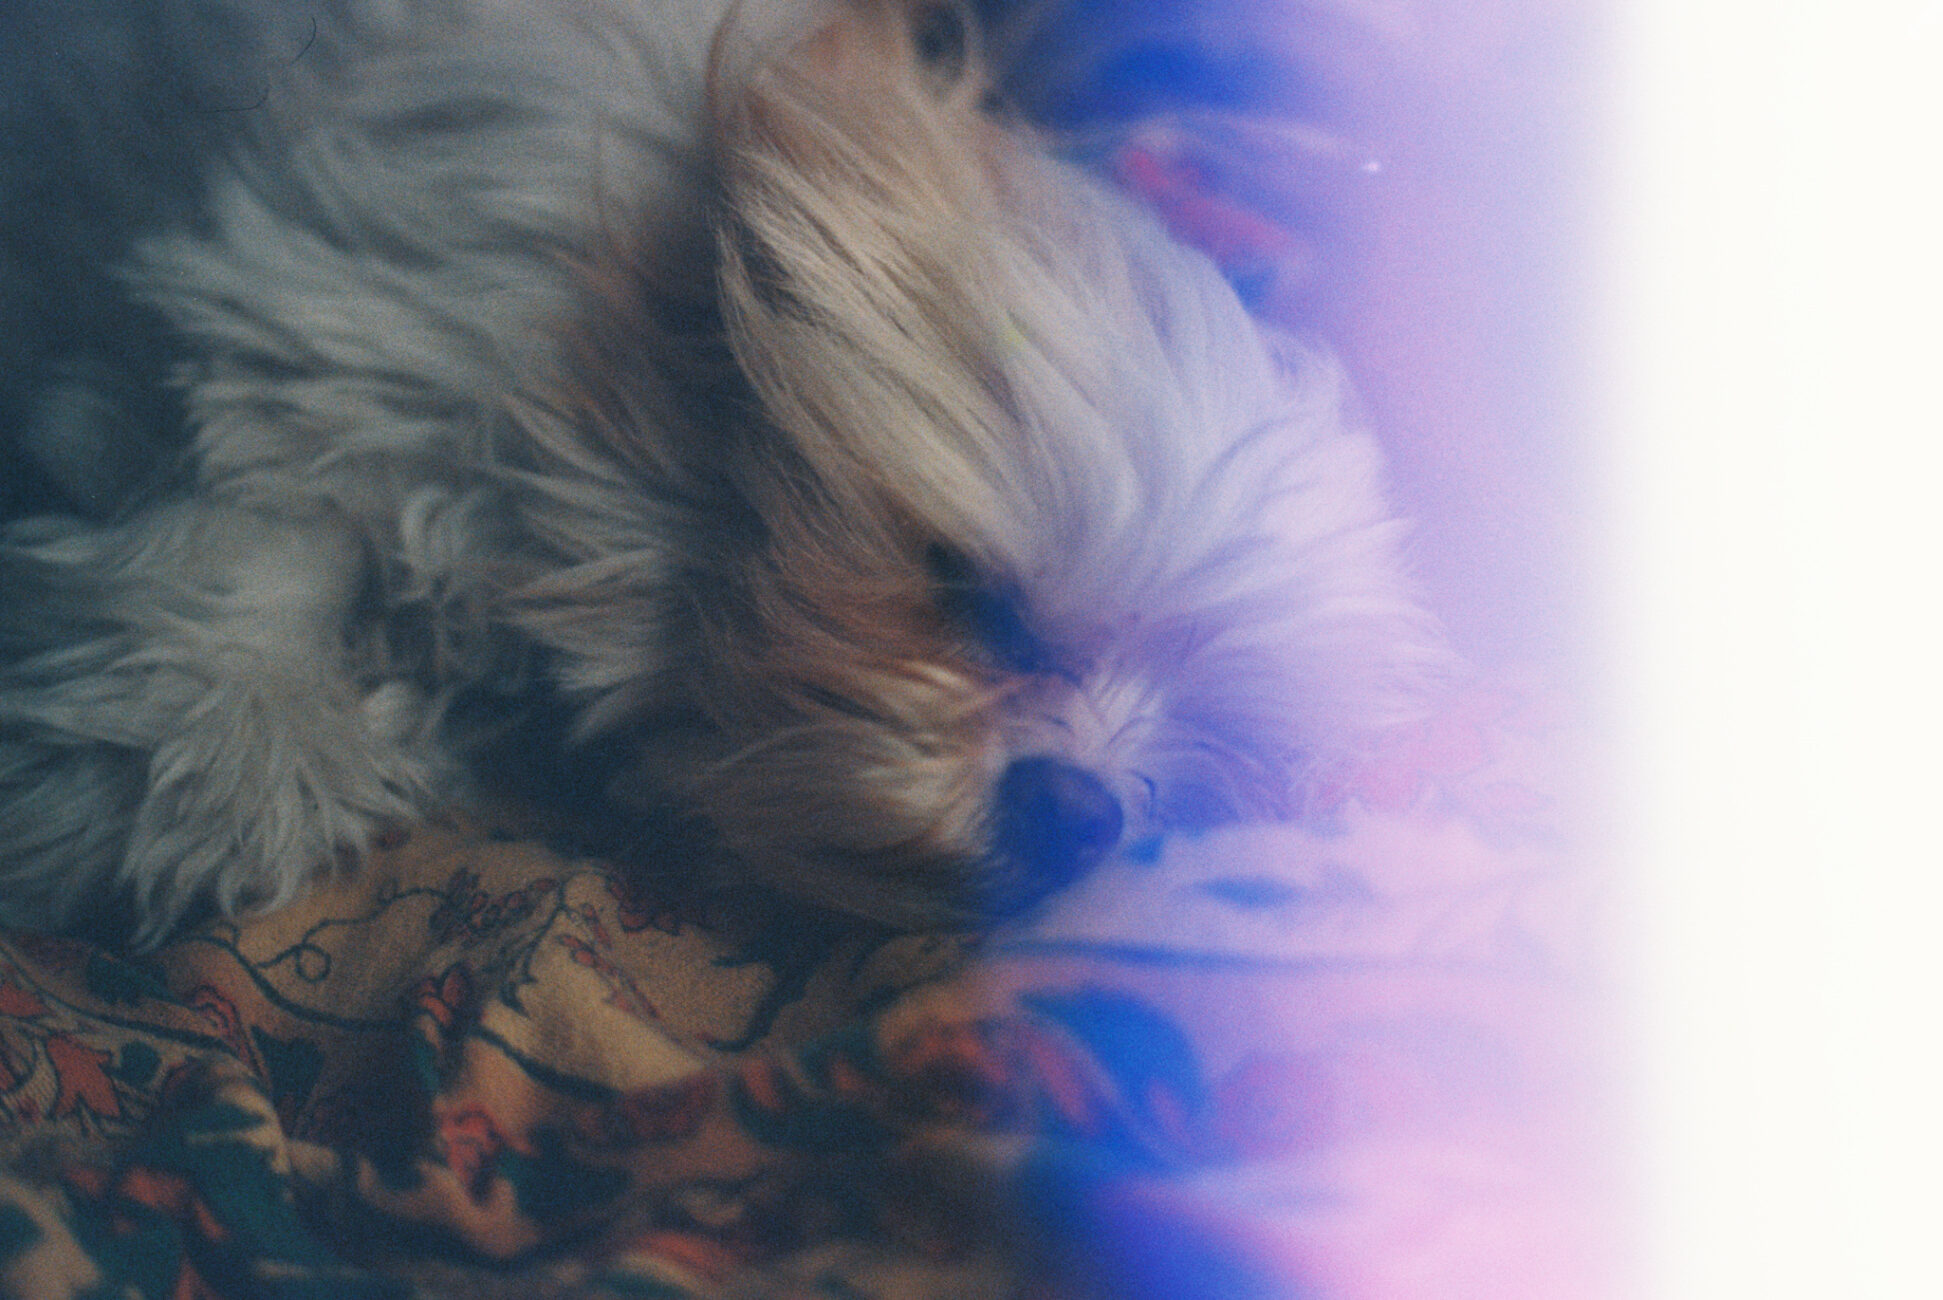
150	793
269	782
179	727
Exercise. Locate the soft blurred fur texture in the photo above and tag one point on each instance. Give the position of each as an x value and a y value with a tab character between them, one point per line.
893	506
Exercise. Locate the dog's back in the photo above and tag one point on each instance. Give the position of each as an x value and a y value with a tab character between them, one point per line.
269	270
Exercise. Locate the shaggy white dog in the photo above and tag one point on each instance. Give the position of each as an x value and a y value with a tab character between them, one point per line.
905	515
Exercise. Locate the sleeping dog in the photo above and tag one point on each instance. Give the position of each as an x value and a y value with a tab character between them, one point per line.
879	494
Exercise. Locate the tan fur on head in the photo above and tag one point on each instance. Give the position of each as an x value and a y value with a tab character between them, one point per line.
967	355
863	201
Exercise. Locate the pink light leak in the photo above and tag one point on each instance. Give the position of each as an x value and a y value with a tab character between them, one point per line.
1416	184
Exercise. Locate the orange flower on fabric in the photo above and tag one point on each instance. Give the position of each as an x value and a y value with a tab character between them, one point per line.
470	1141
220	1011
446	997
1065	1079
623	992
19	1002
83	1085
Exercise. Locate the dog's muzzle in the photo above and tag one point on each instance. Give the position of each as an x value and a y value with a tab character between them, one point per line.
1054	822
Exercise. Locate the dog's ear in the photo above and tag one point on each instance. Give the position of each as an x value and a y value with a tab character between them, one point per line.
855	49
884	98
863	187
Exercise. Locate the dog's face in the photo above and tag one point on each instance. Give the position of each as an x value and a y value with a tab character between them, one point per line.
1031	545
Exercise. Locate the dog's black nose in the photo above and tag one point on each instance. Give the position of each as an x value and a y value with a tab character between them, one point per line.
1054	820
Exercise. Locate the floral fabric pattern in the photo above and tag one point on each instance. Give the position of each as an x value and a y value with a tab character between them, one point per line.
1354	1061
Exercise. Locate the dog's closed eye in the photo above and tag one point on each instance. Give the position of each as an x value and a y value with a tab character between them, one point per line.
942	44
990	613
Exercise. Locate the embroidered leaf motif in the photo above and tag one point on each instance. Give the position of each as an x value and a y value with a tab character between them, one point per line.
1147	1055
84	1086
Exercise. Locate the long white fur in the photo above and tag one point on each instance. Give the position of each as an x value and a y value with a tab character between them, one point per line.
955	340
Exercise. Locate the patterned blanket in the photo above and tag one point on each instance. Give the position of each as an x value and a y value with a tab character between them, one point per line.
1352	1061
